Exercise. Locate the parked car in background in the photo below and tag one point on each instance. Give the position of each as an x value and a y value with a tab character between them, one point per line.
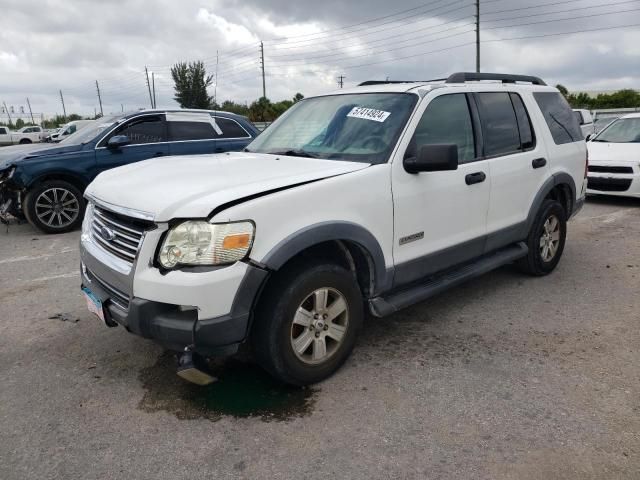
601	121
375	197
67	129
614	158
585	119
44	183
29	134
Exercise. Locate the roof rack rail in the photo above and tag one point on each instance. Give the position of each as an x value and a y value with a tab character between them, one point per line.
385	82
462	77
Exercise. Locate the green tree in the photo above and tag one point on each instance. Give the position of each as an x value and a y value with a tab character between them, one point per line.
297	97
261	110
19	124
190	85
563	90
233	107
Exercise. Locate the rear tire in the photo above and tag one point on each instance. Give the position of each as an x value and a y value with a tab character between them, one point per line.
54	206
24	141
308	322
546	240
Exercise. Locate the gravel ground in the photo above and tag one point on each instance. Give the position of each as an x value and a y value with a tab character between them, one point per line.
505	377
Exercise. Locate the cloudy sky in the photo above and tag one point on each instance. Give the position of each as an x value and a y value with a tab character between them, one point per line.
47	45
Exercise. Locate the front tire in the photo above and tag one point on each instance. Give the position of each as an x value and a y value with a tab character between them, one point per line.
546	240
54	206
308	322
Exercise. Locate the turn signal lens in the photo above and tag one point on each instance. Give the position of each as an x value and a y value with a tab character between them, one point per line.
231	242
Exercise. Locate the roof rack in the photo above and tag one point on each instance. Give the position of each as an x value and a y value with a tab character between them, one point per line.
389	82
462	77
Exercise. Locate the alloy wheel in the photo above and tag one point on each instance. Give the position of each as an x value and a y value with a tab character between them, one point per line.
550	238
319	325
57	207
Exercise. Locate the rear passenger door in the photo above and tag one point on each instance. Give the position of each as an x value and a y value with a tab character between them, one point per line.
517	162
233	137
192	133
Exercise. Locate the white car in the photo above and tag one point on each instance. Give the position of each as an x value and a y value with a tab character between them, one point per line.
614	158
585	119
376	197
68	129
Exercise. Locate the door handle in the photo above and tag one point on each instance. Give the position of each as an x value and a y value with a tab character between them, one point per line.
539	162
477	177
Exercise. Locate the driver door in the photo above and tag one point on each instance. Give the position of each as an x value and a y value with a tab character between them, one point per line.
440	218
148	139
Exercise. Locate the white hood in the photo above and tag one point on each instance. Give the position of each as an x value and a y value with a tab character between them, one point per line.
619	153
192	186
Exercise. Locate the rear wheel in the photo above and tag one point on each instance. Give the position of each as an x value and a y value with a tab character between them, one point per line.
308	323
546	240
54	206
24	141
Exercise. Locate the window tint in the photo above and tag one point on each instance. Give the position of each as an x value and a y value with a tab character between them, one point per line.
527	137
579	117
143	130
230	128
180	131
557	113
499	124
446	120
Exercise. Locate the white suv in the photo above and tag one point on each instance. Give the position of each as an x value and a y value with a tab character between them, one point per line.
367	199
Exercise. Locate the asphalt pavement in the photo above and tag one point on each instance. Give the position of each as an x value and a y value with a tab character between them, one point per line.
504	377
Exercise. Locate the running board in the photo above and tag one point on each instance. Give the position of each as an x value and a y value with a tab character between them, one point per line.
392	302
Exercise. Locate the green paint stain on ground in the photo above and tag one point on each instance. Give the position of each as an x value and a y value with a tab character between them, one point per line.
242	390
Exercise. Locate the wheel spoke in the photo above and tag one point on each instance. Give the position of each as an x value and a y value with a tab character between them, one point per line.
303	317
45	195
69	217
552	249
64	195
337	308
55	195
320	299
336	331
555	236
542	242
553	224
301	344
319	348
545	252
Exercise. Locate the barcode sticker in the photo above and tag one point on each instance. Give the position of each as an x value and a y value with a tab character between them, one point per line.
368	114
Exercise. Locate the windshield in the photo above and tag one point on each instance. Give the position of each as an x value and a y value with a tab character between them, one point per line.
623	130
360	127
89	132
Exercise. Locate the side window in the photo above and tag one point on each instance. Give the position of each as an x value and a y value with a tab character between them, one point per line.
560	119
446	120
499	124
147	129
181	131
579	117
231	128
527	137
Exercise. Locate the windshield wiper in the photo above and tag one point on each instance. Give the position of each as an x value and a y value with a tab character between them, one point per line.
294	153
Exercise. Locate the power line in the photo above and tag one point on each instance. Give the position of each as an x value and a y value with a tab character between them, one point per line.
562	33
559	11
563	2
564	19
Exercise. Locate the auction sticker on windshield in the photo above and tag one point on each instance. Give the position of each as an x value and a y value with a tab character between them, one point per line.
368	114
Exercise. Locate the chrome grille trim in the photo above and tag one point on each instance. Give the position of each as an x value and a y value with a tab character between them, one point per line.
127	237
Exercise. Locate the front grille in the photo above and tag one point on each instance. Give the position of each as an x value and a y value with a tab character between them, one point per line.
608	184
117	297
125	237
609	169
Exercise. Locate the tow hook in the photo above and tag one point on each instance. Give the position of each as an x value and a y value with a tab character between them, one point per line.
193	368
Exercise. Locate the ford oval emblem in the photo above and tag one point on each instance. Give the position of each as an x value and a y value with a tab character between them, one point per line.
107	234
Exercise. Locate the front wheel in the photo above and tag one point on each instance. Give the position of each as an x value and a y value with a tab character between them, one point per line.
546	240
54	206
308	323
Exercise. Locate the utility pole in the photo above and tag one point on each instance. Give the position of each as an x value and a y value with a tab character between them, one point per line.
64	110
477	36
153	87
99	98
30	112
146	72
341	80
215	87
264	88
7	110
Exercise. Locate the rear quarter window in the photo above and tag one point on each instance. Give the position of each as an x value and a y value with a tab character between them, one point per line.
561	120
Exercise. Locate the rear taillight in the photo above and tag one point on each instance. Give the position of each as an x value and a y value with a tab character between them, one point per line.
586	164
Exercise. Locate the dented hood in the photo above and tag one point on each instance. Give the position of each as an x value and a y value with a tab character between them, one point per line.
193	186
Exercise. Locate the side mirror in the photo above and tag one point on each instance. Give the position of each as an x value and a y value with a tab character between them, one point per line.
589	137
118	141
433	158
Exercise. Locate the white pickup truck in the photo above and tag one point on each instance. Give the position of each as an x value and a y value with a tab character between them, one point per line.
31	134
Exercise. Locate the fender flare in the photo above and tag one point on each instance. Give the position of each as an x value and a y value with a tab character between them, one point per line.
312	235
560	178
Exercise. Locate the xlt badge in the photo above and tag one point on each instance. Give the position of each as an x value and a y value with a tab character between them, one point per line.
412	238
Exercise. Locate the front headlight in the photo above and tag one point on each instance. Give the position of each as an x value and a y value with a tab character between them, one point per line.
7	174
198	242
86	222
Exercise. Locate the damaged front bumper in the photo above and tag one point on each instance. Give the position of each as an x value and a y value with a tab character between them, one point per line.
10	197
